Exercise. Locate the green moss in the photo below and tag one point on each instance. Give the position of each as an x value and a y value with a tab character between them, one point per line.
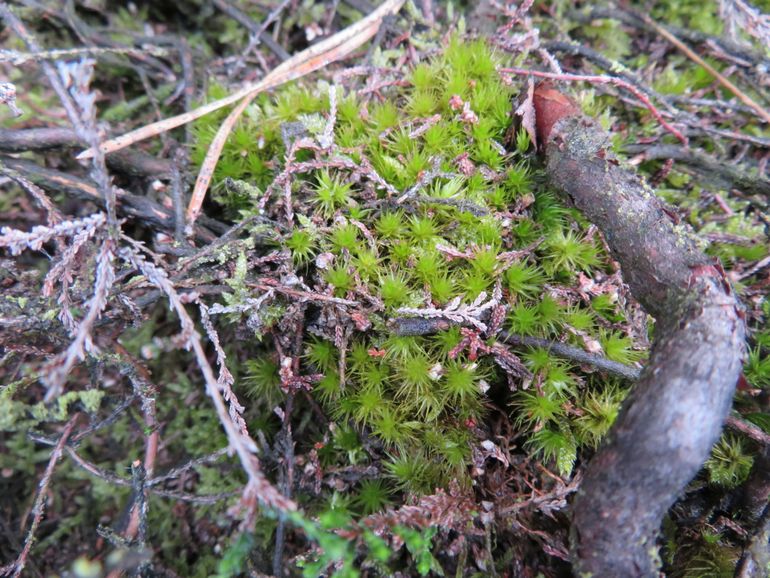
730	462
406	391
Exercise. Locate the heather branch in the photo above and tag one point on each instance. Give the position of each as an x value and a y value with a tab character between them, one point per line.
457	312
243	445
740	14
54	215
225	379
105	277
17	241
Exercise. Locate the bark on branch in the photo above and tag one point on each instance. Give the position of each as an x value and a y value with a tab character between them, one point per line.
676	411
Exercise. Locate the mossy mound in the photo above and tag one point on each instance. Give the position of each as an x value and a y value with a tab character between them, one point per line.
408	205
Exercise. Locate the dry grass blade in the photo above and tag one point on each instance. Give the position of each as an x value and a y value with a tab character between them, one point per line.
307	61
340	45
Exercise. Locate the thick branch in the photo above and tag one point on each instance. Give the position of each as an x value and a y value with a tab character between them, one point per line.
676	411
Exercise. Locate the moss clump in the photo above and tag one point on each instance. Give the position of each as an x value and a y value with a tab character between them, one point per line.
457	218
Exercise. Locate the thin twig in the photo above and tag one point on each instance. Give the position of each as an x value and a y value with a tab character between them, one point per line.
748	429
574	354
691	54
256	29
599	79
118	481
15	568
287	483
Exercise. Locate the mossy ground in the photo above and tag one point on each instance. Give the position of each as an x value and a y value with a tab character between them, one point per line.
406	194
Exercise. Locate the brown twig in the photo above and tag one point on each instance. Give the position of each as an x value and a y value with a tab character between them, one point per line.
140	379
574	354
40	139
675	413
751	431
710	167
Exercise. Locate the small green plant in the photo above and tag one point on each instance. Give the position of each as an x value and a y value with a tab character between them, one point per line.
261	380
730	463
330	194
373	496
301	243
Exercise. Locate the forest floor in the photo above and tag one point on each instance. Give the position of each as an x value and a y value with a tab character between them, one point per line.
320	309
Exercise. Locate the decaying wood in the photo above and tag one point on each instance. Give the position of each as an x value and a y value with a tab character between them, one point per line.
676	411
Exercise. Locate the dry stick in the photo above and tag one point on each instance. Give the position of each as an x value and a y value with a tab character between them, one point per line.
574	354
315	57
726	173
33	139
675	412
110	478
287	482
144	388
744	98
748	429
428	326
141	208
596	79
755	512
258	30
15	568
18	58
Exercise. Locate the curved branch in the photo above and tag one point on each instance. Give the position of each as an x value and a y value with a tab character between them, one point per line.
676	411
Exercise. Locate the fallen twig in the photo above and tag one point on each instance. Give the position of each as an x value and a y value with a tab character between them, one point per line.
676	411
728	174
692	55
574	354
34	139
